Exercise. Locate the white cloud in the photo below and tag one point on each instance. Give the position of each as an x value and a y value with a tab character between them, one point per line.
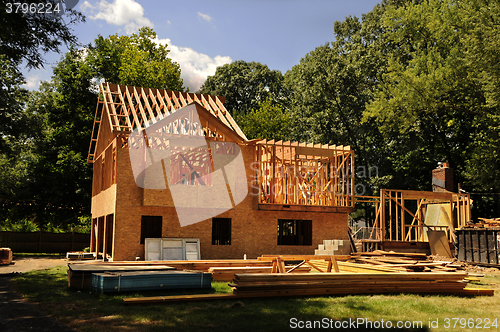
195	67
205	17
127	13
32	82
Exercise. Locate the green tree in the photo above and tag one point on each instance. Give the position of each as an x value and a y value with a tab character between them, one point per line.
135	60
12	98
245	85
269	121
28	36
53	188
438	89
49	182
330	88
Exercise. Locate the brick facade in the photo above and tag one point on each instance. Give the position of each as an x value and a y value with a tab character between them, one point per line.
253	230
442	179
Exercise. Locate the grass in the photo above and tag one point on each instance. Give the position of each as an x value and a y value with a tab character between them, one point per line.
89	312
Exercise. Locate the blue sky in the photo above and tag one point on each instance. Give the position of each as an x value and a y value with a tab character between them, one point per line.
202	35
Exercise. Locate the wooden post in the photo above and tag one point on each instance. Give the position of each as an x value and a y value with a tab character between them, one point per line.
402	217
396	221
333	263
104	238
273	179
382	216
390	219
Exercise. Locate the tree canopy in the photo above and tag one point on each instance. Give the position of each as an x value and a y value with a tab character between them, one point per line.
135	60
28	36
47	179
245	85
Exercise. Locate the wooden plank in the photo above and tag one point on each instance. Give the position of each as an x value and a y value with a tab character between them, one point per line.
303	257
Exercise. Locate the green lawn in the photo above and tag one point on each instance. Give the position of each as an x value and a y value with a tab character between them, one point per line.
94	312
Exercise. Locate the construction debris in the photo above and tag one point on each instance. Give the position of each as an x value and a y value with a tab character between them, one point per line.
486	222
5	256
377	272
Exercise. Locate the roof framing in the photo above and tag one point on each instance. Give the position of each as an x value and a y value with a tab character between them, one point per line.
122	109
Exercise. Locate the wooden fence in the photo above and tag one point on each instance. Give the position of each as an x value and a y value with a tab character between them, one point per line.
42	242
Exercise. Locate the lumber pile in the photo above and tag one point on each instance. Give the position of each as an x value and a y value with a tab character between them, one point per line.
320	284
255	285
5	256
402	262
485	222
149	280
279	261
227	273
80	273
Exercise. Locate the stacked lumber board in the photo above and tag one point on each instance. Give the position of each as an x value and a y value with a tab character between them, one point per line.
199	265
318	284
410	262
149	280
5	256
255	285
227	273
350	267
486	222
288	258
80	275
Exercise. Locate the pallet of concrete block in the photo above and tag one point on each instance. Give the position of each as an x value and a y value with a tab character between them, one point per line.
80	274
112	282
333	247
5	256
227	273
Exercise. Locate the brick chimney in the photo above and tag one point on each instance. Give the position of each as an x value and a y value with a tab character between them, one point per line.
442	178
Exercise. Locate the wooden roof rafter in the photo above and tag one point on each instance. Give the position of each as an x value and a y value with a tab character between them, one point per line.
129	108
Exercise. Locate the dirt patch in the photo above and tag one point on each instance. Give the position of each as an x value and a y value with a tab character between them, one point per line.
25	264
16	313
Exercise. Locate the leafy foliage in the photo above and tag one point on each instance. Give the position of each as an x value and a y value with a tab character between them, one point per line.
27	36
47	180
441	86
268	121
245	85
136	60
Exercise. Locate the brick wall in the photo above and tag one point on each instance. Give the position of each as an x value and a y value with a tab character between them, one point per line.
442	179
254	232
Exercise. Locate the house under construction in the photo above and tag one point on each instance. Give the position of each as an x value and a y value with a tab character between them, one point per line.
176	166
